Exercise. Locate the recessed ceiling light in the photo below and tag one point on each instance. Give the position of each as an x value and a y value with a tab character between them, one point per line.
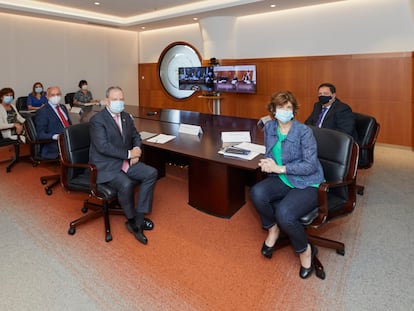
195	19
273	5
97	3
143	27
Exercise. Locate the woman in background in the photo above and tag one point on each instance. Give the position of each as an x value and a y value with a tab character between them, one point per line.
11	122
83	96
290	190
37	98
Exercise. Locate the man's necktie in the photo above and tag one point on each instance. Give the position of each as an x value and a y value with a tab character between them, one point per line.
319	123
125	163
62	117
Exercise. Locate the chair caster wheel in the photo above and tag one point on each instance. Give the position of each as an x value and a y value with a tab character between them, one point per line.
84	210
360	192
340	252
8	170
48	191
72	230
108	237
43	181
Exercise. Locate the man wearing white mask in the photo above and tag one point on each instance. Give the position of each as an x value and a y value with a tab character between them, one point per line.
50	121
116	150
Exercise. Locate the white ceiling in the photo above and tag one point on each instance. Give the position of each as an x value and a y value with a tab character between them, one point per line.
148	14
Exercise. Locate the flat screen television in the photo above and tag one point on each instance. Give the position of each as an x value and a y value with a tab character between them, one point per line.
196	78
236	79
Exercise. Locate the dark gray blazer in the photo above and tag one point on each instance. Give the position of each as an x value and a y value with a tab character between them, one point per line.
108	147
339	117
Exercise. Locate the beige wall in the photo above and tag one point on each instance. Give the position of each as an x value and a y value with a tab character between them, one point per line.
61	53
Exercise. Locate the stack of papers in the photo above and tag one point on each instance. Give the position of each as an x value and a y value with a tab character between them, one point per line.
244	151
161	139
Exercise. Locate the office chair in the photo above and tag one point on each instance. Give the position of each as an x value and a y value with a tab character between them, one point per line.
338	154
69	98
10	142
80	176
35	154
21	103
368	129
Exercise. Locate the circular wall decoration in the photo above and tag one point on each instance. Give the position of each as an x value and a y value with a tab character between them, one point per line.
178	54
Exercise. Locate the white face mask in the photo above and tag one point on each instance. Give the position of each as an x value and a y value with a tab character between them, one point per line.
116	106
55	100
84	87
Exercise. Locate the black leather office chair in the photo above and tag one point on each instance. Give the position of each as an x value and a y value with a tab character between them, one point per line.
35	155
69	98
21	103
368	129
80	176
338	154
10	142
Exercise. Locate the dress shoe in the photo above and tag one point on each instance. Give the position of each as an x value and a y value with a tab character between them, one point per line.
306	272
137	232
267	251
148	224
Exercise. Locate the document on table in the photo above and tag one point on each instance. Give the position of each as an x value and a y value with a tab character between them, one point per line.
161	139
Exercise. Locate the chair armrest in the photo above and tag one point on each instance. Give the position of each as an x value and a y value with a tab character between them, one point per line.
323	189
93	174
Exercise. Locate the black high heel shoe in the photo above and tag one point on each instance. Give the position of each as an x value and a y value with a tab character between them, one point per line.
267	251
306	272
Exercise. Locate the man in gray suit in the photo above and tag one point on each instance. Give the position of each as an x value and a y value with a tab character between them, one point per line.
115	150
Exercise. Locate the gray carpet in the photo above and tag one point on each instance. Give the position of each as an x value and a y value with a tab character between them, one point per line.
377	272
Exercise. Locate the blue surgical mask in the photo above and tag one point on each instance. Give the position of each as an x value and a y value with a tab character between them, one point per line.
38	89
283	115
7	99
116	106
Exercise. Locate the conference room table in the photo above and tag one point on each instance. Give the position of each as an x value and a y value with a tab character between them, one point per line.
216	184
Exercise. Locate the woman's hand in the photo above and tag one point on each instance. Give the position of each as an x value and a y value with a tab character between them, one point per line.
19	128
268	165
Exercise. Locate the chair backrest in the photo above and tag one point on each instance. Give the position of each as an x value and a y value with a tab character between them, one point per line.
21	103
338	154
69	98
367	128
32	138
74	145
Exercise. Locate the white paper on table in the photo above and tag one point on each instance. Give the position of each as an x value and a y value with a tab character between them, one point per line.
76	109
252	147
249	156
243	136
161	139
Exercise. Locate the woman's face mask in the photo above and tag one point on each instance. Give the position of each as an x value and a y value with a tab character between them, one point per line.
7	99
283	115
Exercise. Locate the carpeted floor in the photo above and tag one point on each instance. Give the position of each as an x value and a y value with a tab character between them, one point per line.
195	261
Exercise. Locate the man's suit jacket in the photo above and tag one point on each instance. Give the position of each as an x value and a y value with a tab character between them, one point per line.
108	146
339	117
48	124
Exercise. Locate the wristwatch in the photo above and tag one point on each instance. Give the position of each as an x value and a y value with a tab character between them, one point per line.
282	170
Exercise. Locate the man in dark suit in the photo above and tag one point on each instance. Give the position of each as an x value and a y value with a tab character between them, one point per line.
330	112
116	150
50	121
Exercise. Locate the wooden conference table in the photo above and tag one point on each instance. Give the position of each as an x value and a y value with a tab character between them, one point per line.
216	184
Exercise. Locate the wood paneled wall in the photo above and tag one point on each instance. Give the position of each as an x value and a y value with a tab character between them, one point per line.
376	84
